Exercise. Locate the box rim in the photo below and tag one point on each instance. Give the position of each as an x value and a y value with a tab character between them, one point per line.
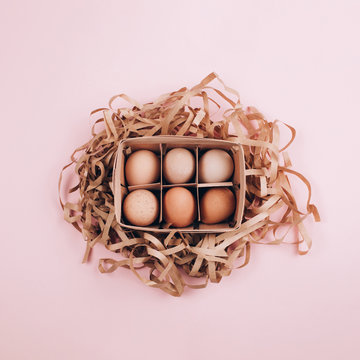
157	139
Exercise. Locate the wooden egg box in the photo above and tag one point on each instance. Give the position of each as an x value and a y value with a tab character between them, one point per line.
160	145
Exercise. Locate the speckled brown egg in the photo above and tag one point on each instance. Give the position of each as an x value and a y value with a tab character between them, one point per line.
179	207
141	207
216	205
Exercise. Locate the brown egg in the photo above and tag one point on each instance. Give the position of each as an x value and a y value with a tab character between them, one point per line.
216	205
179	166
141	207
142	167
179	207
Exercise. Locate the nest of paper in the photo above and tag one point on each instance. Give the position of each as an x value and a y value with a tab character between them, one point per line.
175	260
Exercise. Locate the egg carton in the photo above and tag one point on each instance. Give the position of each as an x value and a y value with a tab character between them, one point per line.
161	145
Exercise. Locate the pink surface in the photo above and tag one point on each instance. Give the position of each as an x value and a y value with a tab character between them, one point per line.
297	61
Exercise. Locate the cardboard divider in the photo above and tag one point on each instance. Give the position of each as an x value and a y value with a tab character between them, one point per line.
167	186
197	165
161	183
217	184
238	165
161	145
197	183
154	186
157	193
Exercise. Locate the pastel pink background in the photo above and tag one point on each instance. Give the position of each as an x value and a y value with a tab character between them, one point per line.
297	61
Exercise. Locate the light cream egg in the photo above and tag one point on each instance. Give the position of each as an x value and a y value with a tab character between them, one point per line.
215	166
142	167
179	166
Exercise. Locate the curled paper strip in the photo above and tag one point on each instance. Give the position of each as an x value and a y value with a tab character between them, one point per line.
174	258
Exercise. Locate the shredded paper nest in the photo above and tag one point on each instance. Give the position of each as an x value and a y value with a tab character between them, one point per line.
173	261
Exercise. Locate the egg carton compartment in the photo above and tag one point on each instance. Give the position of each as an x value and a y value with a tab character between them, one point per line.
123	156
157	222
161	145
193	148
228	223
194	191
202	149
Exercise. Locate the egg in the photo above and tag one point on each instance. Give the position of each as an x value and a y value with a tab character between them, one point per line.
216	205
215	166
142	167
179	166
179	207
141	207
